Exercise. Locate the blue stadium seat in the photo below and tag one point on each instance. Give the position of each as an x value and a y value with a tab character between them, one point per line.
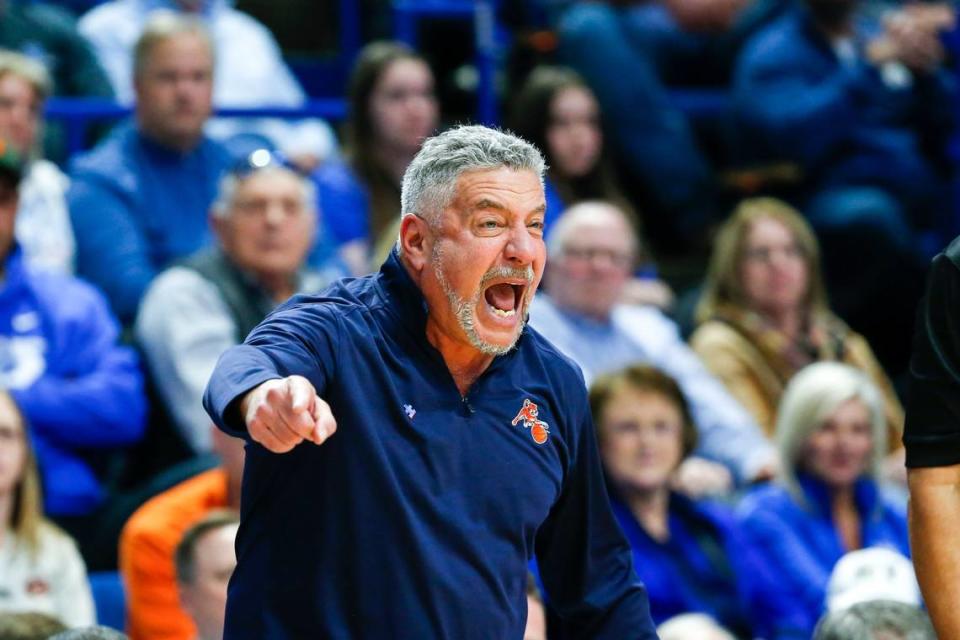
109	598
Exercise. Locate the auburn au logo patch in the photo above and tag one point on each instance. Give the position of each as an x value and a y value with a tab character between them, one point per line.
539	430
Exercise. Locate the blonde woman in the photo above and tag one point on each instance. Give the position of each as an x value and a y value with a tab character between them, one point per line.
764	313
40	567
832	438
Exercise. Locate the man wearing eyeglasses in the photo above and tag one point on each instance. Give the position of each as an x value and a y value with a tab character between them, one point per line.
593	251
411	445
264	220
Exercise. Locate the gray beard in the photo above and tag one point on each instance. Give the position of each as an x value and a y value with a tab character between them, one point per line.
465	310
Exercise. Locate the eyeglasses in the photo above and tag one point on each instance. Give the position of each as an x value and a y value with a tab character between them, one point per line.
260	159
615	258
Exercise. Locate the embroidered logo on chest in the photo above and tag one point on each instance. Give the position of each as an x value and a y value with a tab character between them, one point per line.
37	587
527	416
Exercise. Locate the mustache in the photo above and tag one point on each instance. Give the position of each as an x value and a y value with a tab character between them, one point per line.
507	272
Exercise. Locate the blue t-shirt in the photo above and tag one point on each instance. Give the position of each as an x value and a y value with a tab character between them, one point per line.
418	517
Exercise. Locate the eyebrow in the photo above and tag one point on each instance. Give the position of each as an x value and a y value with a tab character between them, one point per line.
493	204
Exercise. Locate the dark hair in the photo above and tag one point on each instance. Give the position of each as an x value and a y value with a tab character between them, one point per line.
359	133
865	620
530	118
642	378
184	554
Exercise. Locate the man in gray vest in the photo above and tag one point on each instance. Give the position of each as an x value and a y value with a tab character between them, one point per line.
264	219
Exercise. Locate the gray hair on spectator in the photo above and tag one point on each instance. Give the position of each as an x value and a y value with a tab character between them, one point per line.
96	632
230	182
876	620
33	71
692	626
162	25
815	392
184	555
430	181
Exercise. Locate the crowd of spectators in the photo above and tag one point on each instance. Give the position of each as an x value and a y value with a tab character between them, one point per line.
748	416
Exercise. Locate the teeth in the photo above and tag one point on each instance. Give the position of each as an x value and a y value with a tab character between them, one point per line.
502	313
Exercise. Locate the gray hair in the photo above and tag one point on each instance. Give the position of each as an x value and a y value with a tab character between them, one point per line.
33	71
567	224
430	181
811	396
162	25
230	182
864	621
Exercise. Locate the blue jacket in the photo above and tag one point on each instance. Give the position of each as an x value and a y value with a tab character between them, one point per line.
802	543
417	518
78	389
839	120
136	207
705	567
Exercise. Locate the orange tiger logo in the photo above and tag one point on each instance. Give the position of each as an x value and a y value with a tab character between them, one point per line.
528	415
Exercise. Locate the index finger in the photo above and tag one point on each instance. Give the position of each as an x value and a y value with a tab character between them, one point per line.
302	394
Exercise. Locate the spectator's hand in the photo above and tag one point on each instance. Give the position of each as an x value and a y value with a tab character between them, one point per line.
697	477
914	35
280	414
305	162
647	291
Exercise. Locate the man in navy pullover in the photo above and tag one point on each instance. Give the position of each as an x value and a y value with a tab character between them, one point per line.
464	444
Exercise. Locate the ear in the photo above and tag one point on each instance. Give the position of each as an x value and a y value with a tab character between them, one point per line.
217	224
416	239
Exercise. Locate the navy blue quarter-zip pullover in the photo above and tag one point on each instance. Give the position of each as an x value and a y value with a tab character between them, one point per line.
417	518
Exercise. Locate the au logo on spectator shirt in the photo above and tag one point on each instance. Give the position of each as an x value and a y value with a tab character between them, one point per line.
539	430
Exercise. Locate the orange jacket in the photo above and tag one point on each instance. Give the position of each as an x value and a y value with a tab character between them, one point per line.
147	545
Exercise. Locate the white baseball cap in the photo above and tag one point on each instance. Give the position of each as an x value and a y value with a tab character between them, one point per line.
875	573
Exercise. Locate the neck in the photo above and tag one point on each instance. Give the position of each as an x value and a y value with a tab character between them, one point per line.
395	161
650	510
180	144
464	361
786	321
278	286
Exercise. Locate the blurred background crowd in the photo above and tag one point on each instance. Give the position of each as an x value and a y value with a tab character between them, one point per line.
743	197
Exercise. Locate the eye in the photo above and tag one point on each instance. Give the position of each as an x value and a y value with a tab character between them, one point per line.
537	224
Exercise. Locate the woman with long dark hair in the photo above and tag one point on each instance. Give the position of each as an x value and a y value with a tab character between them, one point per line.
392	108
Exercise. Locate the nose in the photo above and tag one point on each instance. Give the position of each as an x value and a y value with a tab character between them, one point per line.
521	248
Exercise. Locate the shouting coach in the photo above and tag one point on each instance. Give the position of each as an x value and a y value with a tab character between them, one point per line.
463	445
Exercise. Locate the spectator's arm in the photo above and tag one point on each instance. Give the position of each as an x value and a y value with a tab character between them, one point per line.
584	560
183	327
801	580
91	394
112	250
150	584
801	116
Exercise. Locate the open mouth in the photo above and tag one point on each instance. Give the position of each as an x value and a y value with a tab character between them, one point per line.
504	298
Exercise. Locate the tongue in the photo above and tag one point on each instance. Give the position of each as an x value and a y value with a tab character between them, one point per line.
500	296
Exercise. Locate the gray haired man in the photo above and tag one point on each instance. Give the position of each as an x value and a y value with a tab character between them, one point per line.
412	445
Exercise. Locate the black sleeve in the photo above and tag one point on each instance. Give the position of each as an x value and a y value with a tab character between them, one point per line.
932	431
